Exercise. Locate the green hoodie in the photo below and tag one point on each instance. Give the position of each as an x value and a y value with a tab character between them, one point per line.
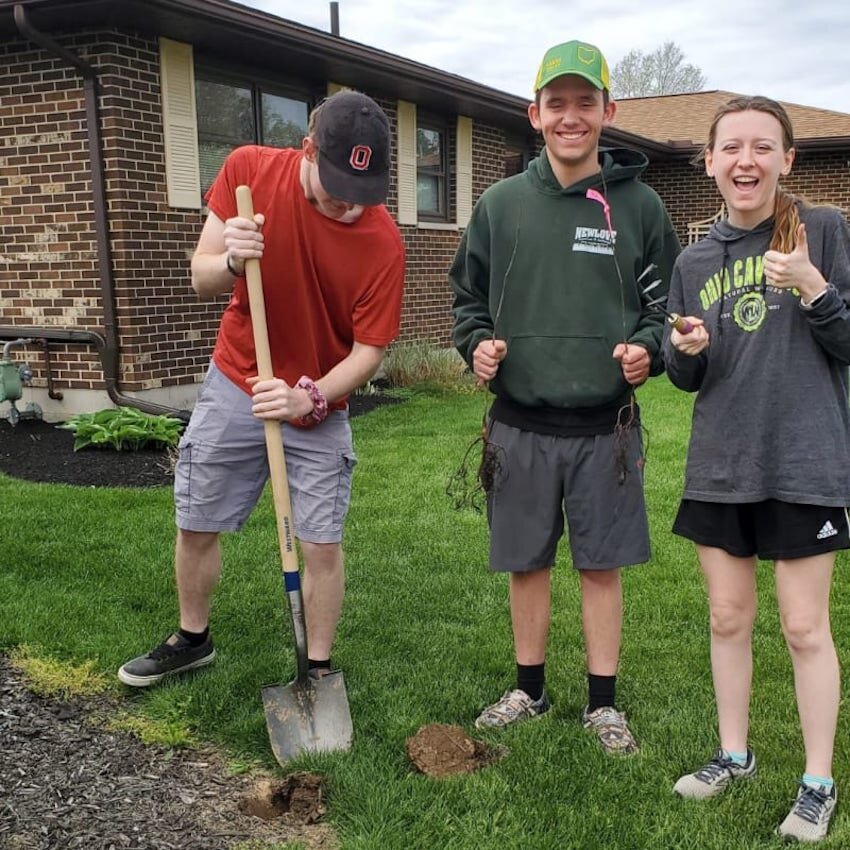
536	268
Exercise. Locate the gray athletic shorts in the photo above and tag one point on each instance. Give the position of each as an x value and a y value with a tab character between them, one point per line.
222	466
545	477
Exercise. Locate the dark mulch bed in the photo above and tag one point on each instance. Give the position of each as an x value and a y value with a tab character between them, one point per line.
38	451
67	782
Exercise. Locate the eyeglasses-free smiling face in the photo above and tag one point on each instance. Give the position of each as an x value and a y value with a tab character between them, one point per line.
570	114
746	161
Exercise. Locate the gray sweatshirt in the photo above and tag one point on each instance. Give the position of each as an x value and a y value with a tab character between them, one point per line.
770	419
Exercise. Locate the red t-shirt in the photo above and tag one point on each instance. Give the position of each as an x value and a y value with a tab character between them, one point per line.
326	284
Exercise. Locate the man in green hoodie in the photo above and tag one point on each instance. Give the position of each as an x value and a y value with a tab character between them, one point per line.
548	310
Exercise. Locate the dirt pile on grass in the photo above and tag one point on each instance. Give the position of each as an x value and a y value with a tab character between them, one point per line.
440	749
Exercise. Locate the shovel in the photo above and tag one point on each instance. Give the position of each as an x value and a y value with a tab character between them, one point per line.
307	715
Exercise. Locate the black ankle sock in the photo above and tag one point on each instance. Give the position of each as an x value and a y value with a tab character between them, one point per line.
530	678
601	691
196	638
312	664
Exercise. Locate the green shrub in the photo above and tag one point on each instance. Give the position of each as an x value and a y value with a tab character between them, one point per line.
123	429
412	363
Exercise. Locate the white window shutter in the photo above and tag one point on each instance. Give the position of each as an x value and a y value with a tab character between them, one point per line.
463	185
407	206
179	122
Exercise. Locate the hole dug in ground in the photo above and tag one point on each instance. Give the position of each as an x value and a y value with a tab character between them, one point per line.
297	798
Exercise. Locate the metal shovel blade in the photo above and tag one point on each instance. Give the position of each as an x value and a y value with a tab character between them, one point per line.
312	716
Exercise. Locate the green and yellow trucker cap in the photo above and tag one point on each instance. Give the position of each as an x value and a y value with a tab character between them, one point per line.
573	57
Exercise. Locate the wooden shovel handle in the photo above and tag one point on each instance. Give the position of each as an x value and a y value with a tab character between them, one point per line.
274	443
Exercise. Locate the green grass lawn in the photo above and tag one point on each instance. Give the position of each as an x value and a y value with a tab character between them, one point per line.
86	575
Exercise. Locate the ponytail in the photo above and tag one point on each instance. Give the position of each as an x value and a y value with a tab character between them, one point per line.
786	220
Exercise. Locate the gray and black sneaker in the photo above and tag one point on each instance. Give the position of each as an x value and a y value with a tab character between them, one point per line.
513	707
611	730
714	777
810	815
174	655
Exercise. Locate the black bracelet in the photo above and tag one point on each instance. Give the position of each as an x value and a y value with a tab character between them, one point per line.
816	300
230	267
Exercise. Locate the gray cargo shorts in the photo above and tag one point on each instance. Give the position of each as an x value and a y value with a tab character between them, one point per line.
222	466
546	478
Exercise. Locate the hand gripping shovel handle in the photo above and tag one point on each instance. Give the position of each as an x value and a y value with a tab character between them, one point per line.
274	449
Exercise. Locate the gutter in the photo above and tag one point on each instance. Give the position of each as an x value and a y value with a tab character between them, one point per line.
107	345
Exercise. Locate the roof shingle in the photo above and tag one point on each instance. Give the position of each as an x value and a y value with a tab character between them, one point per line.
679	119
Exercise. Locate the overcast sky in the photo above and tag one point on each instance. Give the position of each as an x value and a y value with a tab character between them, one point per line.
791	50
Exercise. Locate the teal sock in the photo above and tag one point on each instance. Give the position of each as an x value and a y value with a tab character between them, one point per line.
738	758
818	782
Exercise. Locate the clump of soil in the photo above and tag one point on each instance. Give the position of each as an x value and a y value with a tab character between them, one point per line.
440	749
299	798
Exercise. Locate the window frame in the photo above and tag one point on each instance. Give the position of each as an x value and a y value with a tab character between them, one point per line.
257	85
522	146
434	123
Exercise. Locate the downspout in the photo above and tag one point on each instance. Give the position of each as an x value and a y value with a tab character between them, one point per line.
108	351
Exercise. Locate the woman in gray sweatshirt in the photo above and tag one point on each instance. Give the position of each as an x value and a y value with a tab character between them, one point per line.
766	294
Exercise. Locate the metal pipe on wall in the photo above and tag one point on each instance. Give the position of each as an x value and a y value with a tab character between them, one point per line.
44	336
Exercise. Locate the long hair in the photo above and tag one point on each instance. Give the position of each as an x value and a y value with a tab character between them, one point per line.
786	216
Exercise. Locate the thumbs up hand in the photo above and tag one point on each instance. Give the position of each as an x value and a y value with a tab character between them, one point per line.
795	269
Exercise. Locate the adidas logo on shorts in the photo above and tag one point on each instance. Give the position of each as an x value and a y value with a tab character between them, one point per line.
828	530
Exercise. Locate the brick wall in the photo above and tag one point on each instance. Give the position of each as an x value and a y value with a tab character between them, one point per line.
166	333
48	270
427	298
48	250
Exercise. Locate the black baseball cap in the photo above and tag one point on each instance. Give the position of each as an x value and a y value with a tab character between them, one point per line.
352	134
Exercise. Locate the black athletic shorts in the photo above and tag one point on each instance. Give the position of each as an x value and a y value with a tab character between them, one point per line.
771	530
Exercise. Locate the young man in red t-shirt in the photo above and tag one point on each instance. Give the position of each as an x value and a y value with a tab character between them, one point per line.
333	268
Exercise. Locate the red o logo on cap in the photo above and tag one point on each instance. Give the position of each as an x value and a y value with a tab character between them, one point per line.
360	157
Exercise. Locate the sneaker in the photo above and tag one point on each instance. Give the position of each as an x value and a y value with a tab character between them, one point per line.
810	815
712	778
174	655
511	708
611	729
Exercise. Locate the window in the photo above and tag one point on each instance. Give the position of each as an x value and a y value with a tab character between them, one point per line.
233	113
434	160
516	156
431	172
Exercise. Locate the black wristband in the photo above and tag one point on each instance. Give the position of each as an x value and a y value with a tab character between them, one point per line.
230	267
817	299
